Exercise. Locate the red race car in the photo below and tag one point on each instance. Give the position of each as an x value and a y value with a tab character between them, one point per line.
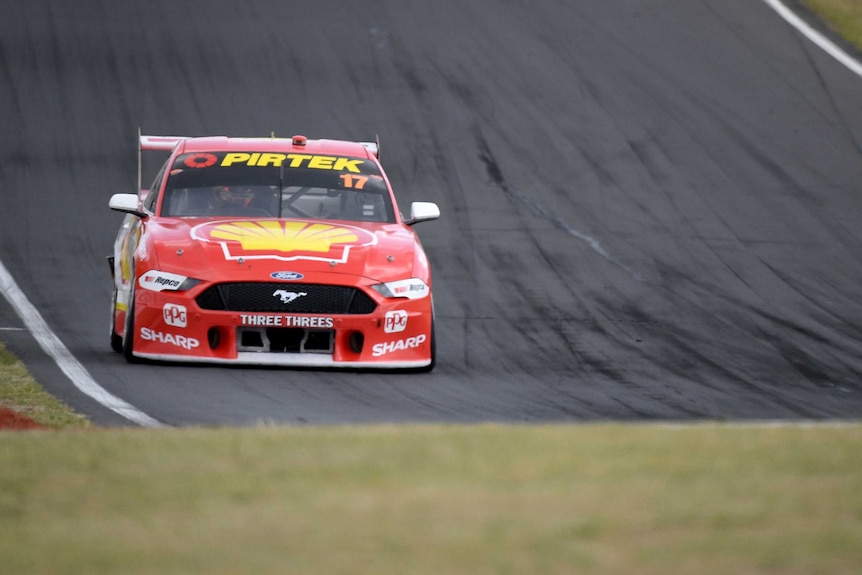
271	251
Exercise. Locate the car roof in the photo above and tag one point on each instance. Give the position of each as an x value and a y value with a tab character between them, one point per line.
294	144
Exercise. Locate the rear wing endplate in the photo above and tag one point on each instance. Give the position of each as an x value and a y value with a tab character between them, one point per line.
373	147
164	143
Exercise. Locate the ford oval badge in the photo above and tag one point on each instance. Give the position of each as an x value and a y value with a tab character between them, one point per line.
286	275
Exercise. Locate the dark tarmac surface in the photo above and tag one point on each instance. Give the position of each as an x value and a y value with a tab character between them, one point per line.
650	211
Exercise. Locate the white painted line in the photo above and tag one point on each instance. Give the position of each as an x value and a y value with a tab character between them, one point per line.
52	345
11	329
825	43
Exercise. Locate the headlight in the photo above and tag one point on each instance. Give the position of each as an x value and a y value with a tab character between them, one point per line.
413	288
156	280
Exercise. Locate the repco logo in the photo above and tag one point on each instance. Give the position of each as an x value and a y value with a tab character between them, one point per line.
175	315
160	281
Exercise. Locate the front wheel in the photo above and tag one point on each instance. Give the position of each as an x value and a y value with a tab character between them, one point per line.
116	340
430	366
129	331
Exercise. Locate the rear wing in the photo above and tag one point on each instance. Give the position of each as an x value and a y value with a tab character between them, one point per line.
168	143
159	142
164	143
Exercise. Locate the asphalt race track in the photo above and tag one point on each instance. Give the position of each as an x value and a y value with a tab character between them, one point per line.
651	209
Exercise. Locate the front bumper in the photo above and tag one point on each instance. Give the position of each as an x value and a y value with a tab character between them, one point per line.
171	326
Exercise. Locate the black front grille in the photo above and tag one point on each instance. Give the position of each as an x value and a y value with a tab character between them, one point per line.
286	297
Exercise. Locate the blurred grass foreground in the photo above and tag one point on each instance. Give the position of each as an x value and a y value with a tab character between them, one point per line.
463	499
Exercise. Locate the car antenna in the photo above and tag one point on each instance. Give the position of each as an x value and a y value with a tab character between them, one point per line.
140	184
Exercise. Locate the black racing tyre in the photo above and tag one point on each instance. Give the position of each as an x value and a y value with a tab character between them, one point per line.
116	340
430	366
129	331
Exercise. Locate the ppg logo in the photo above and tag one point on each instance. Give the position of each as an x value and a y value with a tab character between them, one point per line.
395	321
175	315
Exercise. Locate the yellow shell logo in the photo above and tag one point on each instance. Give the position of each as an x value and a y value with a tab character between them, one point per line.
284	236
284	240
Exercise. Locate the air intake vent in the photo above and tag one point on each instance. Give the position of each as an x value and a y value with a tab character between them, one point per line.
287	298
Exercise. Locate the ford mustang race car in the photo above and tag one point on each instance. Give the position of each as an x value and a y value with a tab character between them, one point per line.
271	251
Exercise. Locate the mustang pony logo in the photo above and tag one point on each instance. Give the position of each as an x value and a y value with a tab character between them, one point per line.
284	240
288	296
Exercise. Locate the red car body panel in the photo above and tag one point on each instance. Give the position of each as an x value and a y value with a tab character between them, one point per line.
266	289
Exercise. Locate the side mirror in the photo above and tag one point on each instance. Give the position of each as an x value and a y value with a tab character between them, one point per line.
126	203
422	212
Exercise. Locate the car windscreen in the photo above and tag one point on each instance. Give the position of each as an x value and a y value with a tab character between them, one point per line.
264	184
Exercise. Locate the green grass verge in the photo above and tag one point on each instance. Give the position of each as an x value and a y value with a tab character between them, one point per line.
413	499
843	16
19	392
